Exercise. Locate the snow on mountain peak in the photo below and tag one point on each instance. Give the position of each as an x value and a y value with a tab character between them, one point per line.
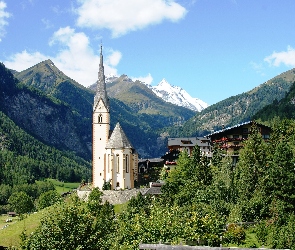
177	96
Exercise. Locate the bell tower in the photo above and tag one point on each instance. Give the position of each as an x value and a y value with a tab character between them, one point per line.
100	128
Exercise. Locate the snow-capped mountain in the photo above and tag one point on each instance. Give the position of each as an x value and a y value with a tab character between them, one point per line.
170	93
177	96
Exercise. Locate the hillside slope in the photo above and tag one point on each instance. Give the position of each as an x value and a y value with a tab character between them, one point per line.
283	109
47	119
236	109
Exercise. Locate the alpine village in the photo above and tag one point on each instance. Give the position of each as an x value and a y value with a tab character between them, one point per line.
114	166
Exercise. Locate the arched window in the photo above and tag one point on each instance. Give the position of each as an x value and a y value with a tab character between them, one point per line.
118	164
127	164
100	118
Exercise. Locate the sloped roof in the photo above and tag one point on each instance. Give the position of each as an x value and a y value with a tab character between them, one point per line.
118	139
188	141
236	126
101	92
153	191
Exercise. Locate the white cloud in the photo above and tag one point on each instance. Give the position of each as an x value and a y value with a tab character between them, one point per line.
114	58
24	60
283	57
3	16
75	58
145	79
122	17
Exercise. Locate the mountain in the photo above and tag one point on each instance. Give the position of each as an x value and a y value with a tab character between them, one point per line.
140	112
44	117
146	118
283	109
28	119
177	96
236	109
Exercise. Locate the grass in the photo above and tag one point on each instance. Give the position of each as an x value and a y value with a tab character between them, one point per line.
10	236
119	208
62	187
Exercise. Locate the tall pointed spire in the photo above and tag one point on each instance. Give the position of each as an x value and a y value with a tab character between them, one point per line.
101	92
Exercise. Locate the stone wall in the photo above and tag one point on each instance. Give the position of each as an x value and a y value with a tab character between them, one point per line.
113	196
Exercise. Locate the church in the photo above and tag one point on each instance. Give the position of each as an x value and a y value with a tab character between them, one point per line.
113	157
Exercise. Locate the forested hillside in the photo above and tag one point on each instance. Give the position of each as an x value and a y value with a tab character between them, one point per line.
23	159
46	118
236	109
285	108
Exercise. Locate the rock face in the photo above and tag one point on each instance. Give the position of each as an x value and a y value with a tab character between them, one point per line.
51	123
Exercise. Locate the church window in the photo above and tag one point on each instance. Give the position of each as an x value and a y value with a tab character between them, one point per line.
100	118
109	162
118	184
127	164
118	164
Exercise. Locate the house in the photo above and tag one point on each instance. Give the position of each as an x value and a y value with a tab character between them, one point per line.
149	170
230	140
188	144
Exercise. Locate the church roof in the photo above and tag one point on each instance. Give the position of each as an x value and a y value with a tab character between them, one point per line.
101	92
118	139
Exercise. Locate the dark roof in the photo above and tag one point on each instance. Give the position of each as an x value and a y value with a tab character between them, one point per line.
235	126
151	160
153	191
118	139
188	141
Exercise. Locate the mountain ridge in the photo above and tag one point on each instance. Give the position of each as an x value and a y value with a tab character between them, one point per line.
239	108
178	96
147	114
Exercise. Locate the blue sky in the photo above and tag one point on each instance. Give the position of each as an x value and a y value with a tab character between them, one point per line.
213	49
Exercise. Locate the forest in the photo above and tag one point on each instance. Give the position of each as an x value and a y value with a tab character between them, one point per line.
250	204
25	160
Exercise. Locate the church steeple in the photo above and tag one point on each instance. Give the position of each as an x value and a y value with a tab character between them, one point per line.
101	92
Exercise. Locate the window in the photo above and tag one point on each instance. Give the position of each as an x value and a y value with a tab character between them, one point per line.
109	162
118	164
245	130
265	136
100	118
127	164
235	136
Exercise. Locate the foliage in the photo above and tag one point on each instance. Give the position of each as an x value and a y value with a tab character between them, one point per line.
72	226
234	234
48	199
30	160
21	203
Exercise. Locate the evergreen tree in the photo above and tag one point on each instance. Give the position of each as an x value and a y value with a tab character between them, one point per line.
252	164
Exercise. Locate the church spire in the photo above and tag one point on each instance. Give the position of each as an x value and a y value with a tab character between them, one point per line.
101	92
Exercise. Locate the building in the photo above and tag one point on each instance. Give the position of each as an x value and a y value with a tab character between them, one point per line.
188	144
230	140
113	157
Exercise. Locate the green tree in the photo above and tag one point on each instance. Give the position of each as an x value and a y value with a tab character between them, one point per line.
21	203
279	182
251	166
47	199
72	225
